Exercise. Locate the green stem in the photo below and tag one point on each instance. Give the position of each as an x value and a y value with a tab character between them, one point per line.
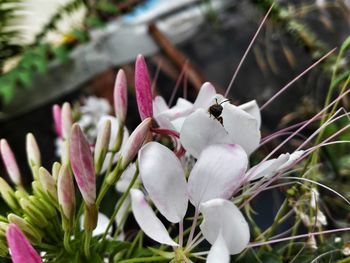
145	259
88	235
121	202
66	242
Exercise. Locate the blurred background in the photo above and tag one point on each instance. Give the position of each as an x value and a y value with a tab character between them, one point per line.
69	50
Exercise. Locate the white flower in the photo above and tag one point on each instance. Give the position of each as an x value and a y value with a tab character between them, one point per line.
174	117
213	179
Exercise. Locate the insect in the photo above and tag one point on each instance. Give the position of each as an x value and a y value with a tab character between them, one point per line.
216	110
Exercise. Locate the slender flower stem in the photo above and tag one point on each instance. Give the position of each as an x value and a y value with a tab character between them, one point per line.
196	241
121	202
193	227
66	242
122	221
88	235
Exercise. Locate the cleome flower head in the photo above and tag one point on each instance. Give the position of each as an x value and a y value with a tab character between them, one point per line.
214	178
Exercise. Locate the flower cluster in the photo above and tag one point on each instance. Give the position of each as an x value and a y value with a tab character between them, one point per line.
203	176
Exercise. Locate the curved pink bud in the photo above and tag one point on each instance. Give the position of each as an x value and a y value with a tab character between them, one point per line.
143	88
21	249
10	162
83	165
121	96
56	114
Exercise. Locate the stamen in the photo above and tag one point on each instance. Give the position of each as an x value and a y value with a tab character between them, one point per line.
172	97
295	79
247	50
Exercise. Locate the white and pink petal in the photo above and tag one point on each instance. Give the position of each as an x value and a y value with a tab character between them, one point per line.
199	131
218	172
222	216
243	128
164	179
147	219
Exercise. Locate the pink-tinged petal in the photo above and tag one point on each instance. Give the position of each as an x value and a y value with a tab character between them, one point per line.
83	165
10	162
66	192
20	248
66	120
218	172
56	114
218	252
199	131
164	179
182	108
242	127
147	219
135	142
143	88
222	216
121	96
253	109
267	169
159	105
205	96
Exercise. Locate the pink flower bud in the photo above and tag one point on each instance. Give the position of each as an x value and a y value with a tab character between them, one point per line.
66	120
10	162
56	114
83	165
21	249
120	96
143	88
33	152
66	193
135	142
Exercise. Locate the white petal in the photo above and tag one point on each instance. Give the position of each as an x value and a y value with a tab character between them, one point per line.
222	216
242	127
268	168
164	179
159	105
218	252
107	161
205	96
177	123
218	172
199	131
293	157
102	223
182	108
253	109
125	179
147	219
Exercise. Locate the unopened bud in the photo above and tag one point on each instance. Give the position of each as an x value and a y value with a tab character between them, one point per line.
21	249
66	120
121	97
66	195
33	152
8	195
143	88
10	162
48	183
135	142
83	165
55	170
101	146
57	119
46	208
